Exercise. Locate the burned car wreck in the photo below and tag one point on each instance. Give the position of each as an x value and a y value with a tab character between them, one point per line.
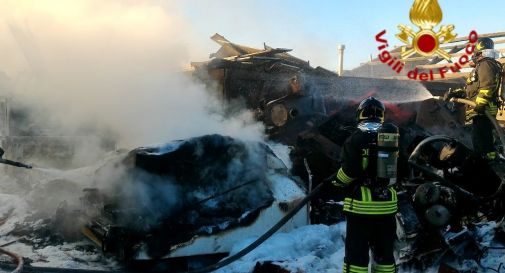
187	198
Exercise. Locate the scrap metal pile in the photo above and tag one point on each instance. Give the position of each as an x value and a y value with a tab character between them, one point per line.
445	190
199	196
178	199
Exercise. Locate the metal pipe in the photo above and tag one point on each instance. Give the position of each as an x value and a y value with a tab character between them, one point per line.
340	70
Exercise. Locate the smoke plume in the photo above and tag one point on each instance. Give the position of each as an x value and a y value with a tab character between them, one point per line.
116	63
110	68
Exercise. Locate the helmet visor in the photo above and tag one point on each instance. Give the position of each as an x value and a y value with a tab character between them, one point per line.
372	112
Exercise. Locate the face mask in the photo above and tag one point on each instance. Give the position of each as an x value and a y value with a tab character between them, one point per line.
369	126
475	57
490	53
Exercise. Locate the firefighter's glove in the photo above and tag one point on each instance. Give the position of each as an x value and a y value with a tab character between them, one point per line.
337	183
456	93
332	181
470	114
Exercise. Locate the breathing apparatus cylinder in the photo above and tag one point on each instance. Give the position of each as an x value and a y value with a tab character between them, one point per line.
387	152
501	88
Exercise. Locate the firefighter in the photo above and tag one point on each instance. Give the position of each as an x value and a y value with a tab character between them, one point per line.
482	87
367	173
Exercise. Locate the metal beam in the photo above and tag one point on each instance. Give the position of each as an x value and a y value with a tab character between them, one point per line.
487	35
435	66
459	47
415	59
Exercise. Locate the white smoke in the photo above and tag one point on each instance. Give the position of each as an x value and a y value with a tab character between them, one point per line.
118	63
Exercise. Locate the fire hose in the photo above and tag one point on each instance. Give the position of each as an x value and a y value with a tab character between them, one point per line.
17	258
263	237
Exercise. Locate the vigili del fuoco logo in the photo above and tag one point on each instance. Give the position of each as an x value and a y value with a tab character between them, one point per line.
425	42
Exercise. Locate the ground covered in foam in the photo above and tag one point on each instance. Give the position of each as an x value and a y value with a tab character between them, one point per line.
320	248
28	200
25	195
308	249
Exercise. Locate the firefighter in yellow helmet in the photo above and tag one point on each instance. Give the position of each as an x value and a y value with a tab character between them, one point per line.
367	173
482	87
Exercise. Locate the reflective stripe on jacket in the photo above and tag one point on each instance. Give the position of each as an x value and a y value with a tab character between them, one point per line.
366	204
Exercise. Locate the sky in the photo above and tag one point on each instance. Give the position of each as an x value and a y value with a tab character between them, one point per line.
314	28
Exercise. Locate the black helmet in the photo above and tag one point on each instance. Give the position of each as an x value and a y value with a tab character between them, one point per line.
370	109
484	43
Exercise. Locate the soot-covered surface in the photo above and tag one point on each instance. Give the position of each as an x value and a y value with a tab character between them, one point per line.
172	192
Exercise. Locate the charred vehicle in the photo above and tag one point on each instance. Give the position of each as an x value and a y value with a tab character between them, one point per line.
187	198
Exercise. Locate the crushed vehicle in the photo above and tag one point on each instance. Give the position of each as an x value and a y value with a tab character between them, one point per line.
187	198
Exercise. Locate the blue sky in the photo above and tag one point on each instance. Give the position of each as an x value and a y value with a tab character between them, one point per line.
314	28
